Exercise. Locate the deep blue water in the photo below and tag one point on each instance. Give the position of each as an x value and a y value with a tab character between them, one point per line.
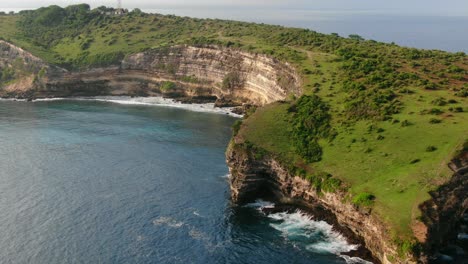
96	182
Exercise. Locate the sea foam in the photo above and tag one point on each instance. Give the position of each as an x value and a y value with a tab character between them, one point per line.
299	228
260	205
152	101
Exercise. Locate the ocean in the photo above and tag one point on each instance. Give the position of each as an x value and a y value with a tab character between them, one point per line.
126	181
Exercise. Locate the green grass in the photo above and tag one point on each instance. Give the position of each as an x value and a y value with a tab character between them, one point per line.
269	128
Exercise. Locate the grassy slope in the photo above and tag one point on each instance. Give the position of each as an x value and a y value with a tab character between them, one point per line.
366	164
356	156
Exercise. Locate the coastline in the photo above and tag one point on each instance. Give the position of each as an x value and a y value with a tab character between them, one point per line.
142	101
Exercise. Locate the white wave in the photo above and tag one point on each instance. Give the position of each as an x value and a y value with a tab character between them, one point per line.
318	236
260	205
355	260
152	101
12	100
227	176
50	99
167	221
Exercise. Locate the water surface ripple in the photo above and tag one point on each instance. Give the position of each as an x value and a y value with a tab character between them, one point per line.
96	182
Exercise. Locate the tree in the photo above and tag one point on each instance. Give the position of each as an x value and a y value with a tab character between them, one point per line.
356	37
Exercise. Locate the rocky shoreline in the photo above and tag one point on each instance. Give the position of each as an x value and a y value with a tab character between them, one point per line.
254	177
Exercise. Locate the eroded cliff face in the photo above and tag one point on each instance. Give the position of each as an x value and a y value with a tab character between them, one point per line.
23	70
229	75
253	177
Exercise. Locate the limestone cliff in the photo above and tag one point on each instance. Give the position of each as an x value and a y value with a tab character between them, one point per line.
227	74
243	76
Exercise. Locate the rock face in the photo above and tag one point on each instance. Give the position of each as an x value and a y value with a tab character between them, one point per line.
9	54
26	67
444	215
253	177
246	77
181	71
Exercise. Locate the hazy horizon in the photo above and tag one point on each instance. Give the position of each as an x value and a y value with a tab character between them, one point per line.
415	7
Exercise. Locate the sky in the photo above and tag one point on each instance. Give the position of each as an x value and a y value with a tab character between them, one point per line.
416	7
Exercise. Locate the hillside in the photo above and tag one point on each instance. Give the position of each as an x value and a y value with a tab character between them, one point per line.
378	121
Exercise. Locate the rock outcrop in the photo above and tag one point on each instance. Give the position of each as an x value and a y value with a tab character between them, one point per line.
25	68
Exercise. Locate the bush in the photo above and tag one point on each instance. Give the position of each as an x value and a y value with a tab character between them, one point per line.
431	149
432	111
439	102
310	122
406	123
236	127
463	92
322	181
232	80
167	86
435	121
364	199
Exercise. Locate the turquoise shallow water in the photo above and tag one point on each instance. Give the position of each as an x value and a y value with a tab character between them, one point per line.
96	182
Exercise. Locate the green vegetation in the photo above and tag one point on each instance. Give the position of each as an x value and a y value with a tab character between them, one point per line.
311	122
6	74
167	86
368	120
364	199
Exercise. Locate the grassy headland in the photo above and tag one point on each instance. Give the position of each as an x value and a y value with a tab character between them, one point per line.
382	120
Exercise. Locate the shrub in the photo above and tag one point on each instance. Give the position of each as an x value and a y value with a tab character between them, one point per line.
232	80
236	127
432	111
439	101
458	109
322	181
406	123
415	161
167	86
86	44
435	121
364	199
310	122
431	149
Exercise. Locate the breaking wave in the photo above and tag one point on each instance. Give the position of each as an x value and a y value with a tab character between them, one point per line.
152	101
301	230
